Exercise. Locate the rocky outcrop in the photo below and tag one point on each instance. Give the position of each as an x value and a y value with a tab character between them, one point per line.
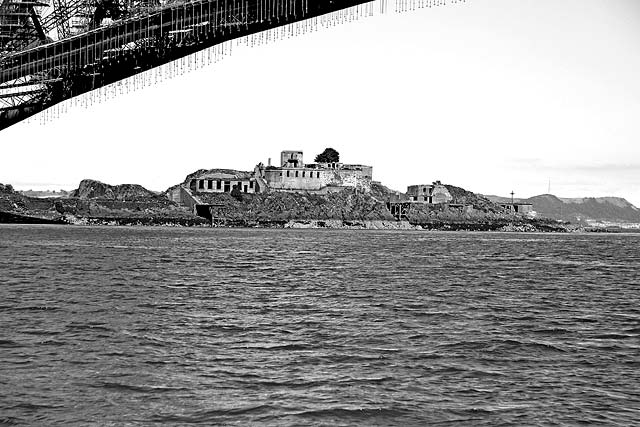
446	217
96	203
383	193
478	201
347	204
91	189
6	189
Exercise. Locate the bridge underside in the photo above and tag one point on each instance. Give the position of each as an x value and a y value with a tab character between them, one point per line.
37	78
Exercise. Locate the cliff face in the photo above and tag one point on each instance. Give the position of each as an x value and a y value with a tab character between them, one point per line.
91	189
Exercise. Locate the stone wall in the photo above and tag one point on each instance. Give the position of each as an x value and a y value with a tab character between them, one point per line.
294	179
182	196
316	179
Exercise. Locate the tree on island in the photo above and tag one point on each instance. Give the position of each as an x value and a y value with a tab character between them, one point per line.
329	155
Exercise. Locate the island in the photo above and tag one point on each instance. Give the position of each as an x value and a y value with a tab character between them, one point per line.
290	194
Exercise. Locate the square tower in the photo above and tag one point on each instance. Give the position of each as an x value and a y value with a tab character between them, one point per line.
291	159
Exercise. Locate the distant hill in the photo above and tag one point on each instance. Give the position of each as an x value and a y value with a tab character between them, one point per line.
584	209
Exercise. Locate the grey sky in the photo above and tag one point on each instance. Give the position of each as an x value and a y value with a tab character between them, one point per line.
489	95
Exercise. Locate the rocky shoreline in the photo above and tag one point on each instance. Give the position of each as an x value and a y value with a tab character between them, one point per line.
543	227
194	221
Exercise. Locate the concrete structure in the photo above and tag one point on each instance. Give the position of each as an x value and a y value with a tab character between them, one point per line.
518	208
435	193
183	196
294	175
222	181
291	159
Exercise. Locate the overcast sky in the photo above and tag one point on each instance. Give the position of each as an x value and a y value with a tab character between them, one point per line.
489	95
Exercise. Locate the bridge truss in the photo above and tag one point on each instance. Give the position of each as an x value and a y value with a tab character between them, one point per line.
82	45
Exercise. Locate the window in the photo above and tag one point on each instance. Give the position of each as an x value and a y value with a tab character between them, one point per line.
303	172
250	184
244	188
287	174
218	185
296	174
317	174
227	186
201	184
210	184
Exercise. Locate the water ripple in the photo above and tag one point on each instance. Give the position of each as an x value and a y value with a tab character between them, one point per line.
143	326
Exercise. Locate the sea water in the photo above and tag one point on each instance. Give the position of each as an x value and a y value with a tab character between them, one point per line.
176	326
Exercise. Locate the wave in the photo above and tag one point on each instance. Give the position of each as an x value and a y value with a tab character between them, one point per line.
611	336
502	345
88	326
290	384
36	308
351	413
34	406
139	388
212	415
40	332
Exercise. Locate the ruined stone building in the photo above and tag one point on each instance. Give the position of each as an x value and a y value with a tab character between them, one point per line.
222	181
435	193
518	208
294	175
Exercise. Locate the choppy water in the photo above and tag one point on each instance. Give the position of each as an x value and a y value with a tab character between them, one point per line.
146	326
